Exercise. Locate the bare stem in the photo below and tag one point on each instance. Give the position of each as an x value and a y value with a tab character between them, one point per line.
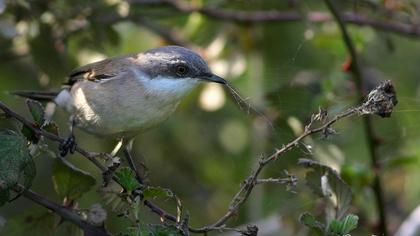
249	183
239	16
62	211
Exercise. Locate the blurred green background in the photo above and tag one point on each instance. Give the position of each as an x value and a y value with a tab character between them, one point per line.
205	150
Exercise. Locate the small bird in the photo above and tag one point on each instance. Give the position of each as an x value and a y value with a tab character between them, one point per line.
122	96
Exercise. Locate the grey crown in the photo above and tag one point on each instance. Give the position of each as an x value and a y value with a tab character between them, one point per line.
165	60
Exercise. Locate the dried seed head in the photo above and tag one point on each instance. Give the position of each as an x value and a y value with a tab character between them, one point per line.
381	100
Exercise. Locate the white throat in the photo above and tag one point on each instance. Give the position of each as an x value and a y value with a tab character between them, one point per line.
169	87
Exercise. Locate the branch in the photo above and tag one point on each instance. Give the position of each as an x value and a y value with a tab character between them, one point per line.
91	156
380	101
240	16
372	145
62	211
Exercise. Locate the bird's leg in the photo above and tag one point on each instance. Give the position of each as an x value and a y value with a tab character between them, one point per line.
69	145
112	163
117	147
127	152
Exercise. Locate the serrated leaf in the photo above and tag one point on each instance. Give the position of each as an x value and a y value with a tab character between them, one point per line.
15	163
309	220
350	223
325	182
37	111
51	127
154	192
29	134
127	179
334	227
69	181
344	226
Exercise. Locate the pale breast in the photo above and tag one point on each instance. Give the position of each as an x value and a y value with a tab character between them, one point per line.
126	104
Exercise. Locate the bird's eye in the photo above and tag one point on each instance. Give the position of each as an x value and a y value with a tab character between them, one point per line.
181	70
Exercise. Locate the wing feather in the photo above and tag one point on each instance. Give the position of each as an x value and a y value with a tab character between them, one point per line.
102	70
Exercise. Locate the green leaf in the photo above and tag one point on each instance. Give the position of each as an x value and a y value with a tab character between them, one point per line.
309	220
350	223
325	182
344	226
37	111
127	179
15	163
51	127
29	134
69	181
154	192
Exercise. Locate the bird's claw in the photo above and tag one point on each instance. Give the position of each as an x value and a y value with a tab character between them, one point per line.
69	145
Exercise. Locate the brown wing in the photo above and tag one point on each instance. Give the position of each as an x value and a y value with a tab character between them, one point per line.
102	69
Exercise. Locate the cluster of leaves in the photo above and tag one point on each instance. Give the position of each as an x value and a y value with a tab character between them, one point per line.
326	183
128	205
70	182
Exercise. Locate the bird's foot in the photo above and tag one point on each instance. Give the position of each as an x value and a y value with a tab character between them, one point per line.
69	145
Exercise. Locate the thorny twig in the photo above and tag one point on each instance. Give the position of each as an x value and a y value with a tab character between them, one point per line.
385	99
62	211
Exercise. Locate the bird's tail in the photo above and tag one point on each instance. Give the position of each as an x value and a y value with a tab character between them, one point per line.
36	95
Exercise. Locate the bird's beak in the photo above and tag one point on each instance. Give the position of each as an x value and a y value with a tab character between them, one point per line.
213	78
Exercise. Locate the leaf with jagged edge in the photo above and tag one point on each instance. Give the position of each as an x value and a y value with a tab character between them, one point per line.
37	111
325	182
69	181
29	134
51	127
127	179
155	192
350	223
309	221
16	163
343	227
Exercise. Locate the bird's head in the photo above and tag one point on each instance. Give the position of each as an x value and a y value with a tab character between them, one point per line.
177	63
